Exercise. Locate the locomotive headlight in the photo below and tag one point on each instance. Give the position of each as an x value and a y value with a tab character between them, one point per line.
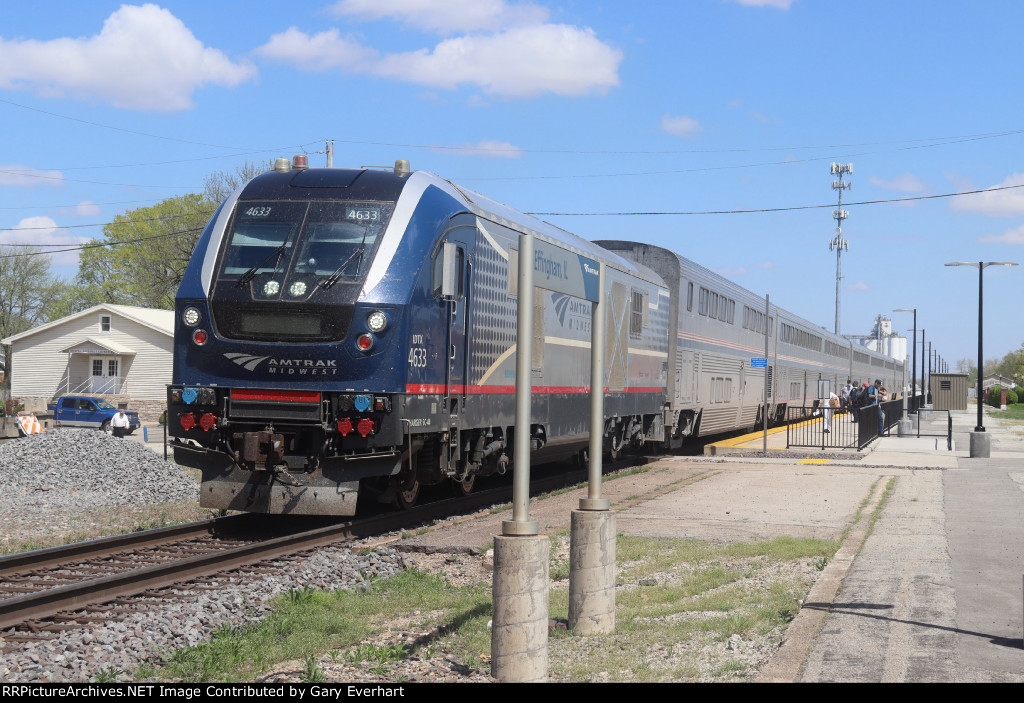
297	288
191	316
271	288
377	321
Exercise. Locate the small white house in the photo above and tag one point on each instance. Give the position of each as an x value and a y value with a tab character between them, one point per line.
120	351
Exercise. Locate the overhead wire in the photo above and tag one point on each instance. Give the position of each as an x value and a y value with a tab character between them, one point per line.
547	214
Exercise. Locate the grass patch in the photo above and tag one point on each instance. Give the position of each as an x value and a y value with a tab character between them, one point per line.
1012	412
679	601
678	604
307	624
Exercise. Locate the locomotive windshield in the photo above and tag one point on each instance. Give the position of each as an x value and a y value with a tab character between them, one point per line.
293	268
299	246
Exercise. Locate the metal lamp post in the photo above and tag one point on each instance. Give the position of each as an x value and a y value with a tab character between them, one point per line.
913	373
983	445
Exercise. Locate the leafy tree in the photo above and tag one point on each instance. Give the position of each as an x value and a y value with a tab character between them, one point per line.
27	293
144	255
141	258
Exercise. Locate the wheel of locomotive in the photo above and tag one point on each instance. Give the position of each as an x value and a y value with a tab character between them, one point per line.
406	485
408	493
465	486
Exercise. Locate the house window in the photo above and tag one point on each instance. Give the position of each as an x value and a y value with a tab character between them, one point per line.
104	323
97	367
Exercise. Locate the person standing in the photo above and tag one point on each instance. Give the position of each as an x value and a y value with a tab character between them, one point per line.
120	424
832	406
877	397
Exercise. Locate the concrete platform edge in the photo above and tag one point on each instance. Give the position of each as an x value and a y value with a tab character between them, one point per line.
788	662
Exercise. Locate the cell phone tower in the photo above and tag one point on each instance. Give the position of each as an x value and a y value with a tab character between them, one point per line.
839	243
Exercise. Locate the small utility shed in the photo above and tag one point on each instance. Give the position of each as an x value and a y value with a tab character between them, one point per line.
120	352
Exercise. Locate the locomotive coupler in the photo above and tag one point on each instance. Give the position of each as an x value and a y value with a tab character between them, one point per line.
261	451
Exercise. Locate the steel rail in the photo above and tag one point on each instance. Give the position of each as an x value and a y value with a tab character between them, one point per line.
43	604
106	546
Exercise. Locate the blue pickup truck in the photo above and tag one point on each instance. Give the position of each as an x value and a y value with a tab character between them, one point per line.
83	411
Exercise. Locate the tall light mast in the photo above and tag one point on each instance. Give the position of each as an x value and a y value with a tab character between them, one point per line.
839	243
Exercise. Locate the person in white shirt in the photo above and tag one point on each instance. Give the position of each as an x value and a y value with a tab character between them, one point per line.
120	423
830	407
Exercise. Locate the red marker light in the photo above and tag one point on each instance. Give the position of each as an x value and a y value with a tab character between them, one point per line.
345	427
365	426
200	337
208	421
364	342
188	421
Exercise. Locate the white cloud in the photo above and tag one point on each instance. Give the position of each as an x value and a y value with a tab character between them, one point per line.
681	125
319	52
905	183
1010	236
86	208
778	4
446	18
765	265
731	272
997	203
859	285
143	58
28	177
493	149
518	62
40	231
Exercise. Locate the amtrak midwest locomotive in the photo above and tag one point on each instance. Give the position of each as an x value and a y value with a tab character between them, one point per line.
354	331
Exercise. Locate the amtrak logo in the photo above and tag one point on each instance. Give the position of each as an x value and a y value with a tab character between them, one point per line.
290	367
246	361
578	311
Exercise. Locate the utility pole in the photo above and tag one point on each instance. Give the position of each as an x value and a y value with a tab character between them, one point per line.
839	243
329	143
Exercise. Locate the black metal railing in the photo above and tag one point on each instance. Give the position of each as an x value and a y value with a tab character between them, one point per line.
925	414
840	428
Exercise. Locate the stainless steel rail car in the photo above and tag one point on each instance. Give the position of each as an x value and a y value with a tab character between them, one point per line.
717	327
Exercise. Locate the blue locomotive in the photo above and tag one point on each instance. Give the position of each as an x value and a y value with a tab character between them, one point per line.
343	332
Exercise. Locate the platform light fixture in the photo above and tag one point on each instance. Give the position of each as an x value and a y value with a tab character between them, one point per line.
981	266
913	347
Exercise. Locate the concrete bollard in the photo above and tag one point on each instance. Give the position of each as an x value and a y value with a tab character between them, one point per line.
519	634
904	428
592	572
981	445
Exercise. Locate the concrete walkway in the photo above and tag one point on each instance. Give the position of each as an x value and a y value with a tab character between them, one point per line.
935	593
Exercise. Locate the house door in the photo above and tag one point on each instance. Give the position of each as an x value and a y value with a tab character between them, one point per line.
105	376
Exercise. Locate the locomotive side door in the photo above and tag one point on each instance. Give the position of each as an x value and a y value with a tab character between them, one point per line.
457	251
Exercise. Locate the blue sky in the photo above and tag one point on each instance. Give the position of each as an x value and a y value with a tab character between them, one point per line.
566	107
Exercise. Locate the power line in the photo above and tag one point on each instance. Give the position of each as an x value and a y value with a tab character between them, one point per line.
94	224
119	129
775	209
563	214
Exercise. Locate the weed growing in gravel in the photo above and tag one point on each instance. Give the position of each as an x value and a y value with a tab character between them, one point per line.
309	623
313	673
679	601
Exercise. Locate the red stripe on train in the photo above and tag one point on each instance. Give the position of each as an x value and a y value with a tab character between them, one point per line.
441	389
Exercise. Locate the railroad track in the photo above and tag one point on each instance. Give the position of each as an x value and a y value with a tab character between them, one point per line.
48	591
